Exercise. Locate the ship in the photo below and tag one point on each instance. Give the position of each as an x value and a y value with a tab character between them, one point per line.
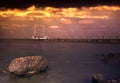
37	35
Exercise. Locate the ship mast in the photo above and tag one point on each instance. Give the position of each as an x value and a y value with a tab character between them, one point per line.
34	32
43	30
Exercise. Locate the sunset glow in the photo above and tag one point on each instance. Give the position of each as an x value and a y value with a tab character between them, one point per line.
51	12
62	22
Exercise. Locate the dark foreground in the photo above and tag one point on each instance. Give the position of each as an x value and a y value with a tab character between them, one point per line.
68	62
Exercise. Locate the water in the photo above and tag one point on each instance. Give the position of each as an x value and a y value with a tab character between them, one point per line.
68	62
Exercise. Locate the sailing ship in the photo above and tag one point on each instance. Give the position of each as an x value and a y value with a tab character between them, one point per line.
36	32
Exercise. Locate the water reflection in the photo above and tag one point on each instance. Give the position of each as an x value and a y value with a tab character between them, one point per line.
40	78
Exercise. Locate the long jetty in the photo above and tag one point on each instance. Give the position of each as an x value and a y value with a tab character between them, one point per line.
116	41
85	40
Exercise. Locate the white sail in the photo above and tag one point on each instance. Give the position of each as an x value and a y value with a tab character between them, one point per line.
42	35
35	36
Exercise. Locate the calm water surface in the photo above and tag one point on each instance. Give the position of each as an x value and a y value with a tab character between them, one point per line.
68	62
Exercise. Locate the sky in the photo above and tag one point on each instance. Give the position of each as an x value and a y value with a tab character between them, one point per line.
76	19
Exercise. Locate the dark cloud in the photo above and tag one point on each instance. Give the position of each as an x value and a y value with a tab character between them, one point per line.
55	3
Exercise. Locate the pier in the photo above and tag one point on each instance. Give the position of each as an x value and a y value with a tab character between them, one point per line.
110	41
85	40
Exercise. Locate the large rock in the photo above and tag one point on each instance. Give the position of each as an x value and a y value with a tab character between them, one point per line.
27	65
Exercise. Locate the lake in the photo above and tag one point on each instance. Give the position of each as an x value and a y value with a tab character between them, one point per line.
69	62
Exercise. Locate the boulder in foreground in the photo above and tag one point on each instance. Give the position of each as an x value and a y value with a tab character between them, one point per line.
28	65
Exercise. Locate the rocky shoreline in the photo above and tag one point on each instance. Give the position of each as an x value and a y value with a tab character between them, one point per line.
108	59
99	78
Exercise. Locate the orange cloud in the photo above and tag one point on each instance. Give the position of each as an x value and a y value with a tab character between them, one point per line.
66	21
86	21
50	12
54	26
108	8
